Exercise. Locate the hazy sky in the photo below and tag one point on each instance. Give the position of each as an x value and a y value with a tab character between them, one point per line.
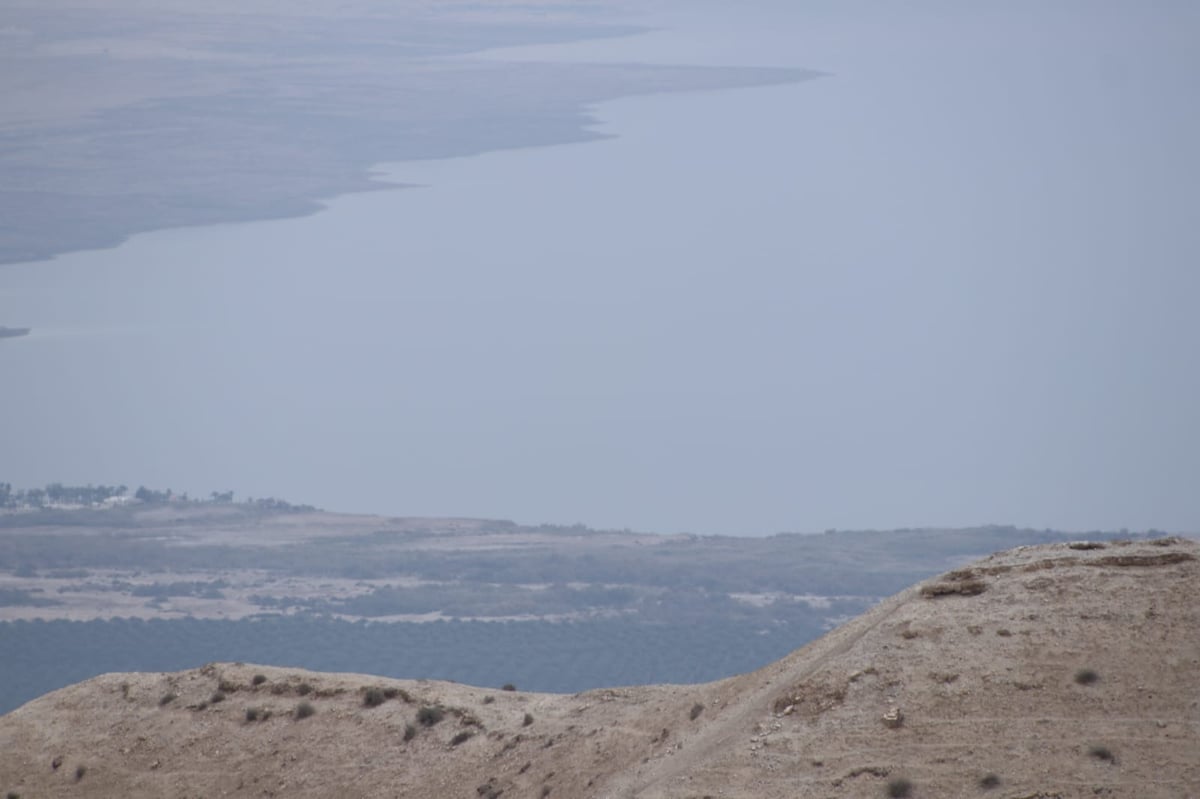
953	282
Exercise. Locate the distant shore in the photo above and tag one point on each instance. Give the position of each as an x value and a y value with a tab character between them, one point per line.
195	136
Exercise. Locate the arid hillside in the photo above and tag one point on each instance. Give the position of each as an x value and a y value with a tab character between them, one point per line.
1068	670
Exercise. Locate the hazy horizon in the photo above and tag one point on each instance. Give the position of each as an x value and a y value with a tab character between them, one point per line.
949	283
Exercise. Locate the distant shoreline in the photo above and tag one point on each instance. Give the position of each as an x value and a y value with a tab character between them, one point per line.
214	142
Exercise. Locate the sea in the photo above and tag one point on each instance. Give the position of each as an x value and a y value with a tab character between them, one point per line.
950	282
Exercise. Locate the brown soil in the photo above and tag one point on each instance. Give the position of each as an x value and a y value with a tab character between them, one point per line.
1072	672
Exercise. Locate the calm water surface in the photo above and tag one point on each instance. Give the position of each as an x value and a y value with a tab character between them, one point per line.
952	283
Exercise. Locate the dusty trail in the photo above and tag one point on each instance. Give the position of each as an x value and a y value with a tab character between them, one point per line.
705	746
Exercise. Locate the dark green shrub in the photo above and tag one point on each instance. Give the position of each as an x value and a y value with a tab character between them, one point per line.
462	737
391	692
429	715
487	700
989	781
1102	753
373	697
695	712
13	795
508	687
259	679
167	699
1086	677
251	714
410	732
528	720
899	788
79	772
218	696
304	689
304	710
227	686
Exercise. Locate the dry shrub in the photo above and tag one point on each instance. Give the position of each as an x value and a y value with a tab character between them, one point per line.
812	697
989	781
430	715
960	588
1166	559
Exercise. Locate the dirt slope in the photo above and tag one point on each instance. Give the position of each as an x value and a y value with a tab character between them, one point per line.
1057	671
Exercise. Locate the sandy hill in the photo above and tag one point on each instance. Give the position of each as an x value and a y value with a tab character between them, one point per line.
1052	671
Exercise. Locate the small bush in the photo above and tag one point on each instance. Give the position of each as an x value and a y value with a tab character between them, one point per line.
167	699
989	781
528	720
251	714
227	686
899	788
79	772
218	696
304	689
410	732
487	700
373	697
960	588
1086	677
429	715
13	795
508	687
462	737
259	679
1102	753
391	693
304	710
695	712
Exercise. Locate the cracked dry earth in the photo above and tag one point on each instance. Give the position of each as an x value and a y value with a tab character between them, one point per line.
1056	671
